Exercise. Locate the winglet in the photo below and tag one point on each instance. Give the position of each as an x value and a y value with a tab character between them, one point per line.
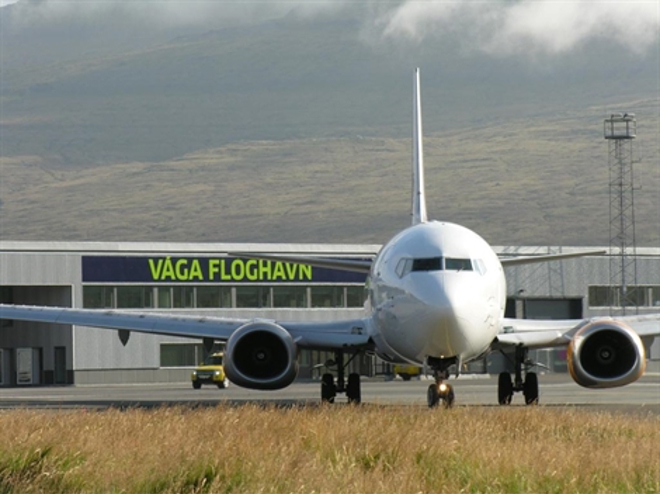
418	198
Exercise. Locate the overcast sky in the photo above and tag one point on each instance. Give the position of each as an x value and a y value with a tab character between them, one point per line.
499	27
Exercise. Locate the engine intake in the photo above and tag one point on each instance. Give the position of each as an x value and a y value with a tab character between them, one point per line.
261	355
605	354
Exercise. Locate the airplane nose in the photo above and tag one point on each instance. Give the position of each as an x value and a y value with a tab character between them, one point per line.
448	314
442	296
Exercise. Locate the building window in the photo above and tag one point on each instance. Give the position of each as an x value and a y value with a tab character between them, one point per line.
290	296
636	296
655	296
181	355
221	296
355	296
183	297
135	297
328	296
176	297
252	296
213	296
164	297
98	297
603	296
6	297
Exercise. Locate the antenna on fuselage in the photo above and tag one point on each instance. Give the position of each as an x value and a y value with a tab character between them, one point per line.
418	197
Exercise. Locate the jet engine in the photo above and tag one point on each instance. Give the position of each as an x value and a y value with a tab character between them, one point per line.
606	353
261	355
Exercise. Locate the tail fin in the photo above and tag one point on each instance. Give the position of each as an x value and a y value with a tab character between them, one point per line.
418	197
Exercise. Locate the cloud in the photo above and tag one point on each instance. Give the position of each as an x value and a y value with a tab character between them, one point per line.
172	12
496	27
526	26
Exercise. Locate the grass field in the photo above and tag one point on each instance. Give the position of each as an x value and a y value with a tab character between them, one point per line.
368	449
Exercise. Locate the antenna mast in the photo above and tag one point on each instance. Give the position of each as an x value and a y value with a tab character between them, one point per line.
620	130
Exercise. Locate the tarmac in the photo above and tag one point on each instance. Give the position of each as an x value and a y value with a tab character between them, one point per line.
556	390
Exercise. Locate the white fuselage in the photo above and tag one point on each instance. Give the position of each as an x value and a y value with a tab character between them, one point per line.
436	290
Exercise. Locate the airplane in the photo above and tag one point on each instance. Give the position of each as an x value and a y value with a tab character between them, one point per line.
436	299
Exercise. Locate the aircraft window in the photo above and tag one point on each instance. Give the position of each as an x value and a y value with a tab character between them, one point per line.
458	264
403	267
480	266
427	264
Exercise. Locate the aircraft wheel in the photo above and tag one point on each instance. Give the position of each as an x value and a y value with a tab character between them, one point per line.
504	389
531	389
432	396
353	392
328	388
448	396
196	384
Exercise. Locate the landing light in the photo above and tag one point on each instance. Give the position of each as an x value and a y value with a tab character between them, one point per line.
442	388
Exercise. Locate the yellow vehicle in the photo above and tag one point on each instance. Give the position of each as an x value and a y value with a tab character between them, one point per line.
407	371
210	371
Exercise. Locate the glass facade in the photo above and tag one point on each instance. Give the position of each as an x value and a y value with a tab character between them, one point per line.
636	296
213	296
134	297
222	296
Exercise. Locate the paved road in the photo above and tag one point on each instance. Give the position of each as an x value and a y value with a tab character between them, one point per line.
556	390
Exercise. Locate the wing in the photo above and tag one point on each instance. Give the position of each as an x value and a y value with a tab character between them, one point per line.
533	333
364	266
325	335
513	261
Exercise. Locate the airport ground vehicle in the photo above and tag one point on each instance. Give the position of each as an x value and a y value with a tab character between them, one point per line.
407	372
211	371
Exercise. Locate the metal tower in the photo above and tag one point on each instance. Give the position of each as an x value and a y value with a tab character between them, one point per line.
620	130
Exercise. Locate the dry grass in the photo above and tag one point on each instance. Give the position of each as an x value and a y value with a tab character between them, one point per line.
522	182
328	449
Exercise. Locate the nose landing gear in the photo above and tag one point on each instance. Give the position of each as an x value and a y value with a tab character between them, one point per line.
440	391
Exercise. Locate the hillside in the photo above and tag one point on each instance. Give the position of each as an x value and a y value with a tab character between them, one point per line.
296	128
521	182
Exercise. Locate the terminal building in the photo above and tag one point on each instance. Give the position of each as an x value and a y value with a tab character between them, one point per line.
210	280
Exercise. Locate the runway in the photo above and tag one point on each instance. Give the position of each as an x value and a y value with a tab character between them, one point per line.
556	390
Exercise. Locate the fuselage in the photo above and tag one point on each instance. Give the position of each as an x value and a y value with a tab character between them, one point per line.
436	290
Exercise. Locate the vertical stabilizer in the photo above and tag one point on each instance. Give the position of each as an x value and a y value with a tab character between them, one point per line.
418	197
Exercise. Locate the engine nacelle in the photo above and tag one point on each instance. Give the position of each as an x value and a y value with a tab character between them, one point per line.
261	355
606	353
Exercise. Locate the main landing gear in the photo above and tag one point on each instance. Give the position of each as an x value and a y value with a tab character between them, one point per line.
330	388
440	391
530	386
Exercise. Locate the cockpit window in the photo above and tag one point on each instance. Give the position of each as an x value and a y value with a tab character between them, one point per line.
427	264
458	264
406	265
403	267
